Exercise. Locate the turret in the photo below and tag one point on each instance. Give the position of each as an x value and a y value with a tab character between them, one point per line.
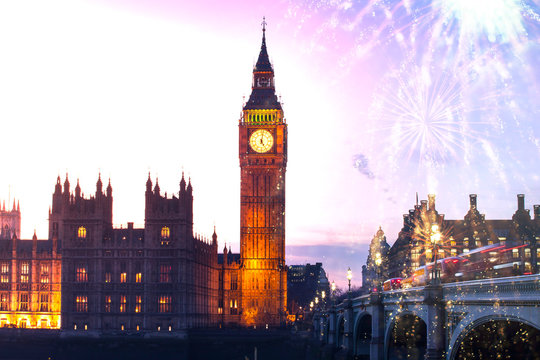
99	186
182	185
149	184
156	188
77	190
58	187
66	187
109	189
34	245
214	237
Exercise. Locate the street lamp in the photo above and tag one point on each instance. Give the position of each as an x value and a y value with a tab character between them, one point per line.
311	306
435	238
323	295
378	262
349	277
333	288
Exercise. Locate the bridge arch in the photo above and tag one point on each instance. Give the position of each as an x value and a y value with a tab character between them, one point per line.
362	335
406	337
496	334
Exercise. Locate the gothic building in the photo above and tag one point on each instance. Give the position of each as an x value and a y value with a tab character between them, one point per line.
156	278
461	236
92	276
10	221
261	271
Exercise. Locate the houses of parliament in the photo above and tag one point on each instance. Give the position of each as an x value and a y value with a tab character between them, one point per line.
91	276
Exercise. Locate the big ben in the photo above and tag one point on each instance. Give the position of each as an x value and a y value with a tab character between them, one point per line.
263	161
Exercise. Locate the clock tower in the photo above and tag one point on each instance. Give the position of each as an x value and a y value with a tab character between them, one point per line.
263	161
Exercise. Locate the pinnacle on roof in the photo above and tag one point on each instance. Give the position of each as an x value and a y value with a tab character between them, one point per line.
263	62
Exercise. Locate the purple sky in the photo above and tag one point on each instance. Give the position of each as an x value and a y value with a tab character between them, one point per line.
383	100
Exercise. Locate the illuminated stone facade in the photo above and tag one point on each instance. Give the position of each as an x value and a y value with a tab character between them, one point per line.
30	274
263	161
260	271
371	272
156	278
410	251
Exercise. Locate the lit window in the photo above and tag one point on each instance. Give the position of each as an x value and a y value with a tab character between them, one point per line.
44	273
44	302
4	301
465	250
81	303
81	233
108	302
165	304
123	277
138	277
138	303
515	253
233	307
108	277
4	272
165	273
82	273
453	252
23	302
165	232
25	272
123	303
528	253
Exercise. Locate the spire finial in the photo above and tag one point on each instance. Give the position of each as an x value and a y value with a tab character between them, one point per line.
264	24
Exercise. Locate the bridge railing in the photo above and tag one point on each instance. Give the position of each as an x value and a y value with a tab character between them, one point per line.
524	288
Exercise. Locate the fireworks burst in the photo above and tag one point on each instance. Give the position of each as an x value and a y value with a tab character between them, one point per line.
423	117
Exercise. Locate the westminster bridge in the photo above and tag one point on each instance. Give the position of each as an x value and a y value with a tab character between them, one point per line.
446	321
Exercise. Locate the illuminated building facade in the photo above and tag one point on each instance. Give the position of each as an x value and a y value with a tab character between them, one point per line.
371	272
461	236
30	278
263	161
156	278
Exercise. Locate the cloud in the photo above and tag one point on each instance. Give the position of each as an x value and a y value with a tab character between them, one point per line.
361	163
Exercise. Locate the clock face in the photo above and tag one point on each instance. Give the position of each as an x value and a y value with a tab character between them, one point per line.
263	82
261	141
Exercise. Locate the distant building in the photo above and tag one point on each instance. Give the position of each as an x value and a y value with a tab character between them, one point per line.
10	222
371	272
30	282
411	249
304	283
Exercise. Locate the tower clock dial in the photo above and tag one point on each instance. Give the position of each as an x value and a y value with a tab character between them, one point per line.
261	140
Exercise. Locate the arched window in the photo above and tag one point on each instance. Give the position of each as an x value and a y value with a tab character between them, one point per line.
165	232
81	233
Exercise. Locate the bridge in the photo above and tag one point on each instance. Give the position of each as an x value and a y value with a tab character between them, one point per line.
444	321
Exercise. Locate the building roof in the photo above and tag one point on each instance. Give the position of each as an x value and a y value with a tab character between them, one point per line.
231	258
